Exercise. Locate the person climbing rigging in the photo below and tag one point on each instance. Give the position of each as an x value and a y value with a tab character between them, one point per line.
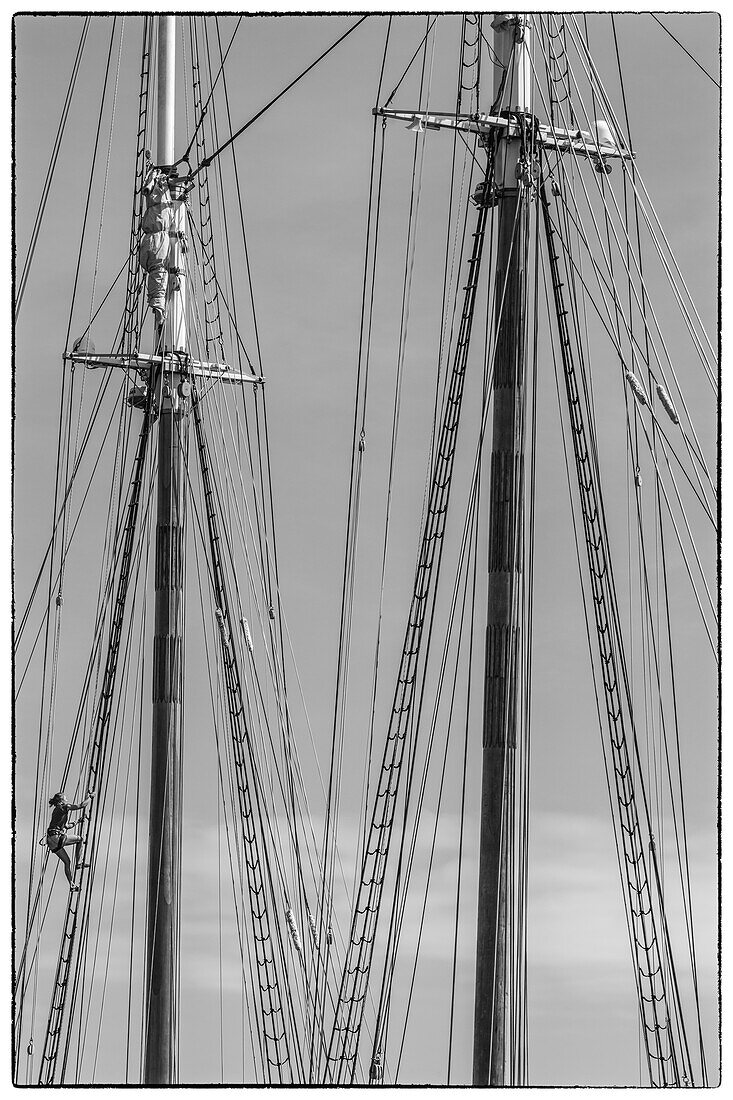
57	838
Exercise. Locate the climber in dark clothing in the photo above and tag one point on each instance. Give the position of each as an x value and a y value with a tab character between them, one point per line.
57	838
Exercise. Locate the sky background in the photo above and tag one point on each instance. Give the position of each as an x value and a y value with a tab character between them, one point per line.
306	168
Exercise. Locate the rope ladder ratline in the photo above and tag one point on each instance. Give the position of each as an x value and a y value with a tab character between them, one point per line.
274	1030
651	948
97	758
344	1043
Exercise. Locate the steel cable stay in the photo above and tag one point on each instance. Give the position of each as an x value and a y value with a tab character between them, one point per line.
667	1063
217	153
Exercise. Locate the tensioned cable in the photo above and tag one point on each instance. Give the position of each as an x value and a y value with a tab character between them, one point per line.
46	189
208	160
684	50
421	46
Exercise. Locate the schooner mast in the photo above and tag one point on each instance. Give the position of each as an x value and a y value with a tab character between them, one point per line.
514	140
165	792
512	163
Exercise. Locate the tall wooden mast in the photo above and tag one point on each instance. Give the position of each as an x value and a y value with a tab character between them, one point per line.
165	794
505	555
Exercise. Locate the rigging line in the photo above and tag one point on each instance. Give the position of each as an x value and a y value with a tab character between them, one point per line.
631	172
606	610
462	815
212	661
356	463
585	603
465	557
464	544
90	860
496	60
56	1012
421	45
204	109
228	544
648	220
134	892
230	312
58	467
345	1035
694	59
260	883
59	515
103	602
91	179
298	774
410	250
589	297
679	541
626	325
208	160
618	245
39	785
90	695
121	709
235	165
46	189
632	176
350	566
683	873
476	470
105	180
